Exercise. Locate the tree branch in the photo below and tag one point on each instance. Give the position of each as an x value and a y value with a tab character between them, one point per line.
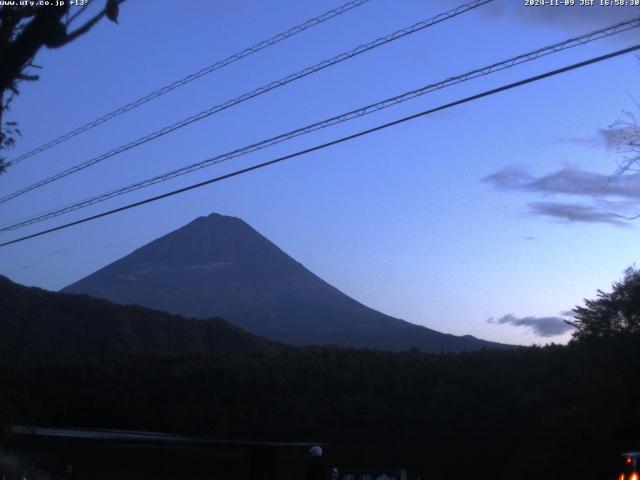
77	14
83	29
87	26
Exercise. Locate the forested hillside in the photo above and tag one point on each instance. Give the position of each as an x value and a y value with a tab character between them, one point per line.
543	413
554	412
44	327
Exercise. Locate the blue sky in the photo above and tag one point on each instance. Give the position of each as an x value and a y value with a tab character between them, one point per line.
448	221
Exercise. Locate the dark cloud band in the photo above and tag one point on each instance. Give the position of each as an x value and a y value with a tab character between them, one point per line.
541	326
568	180
576	213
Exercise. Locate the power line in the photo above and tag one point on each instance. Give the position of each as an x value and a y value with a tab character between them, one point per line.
194	76
247	96
514	61
362	133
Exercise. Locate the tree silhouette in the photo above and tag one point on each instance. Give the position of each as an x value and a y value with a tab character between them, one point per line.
24	30
624	137
611	314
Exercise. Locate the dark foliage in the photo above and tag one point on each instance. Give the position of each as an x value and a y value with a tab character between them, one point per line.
555	412
6	413
611	314
541	413
45	327
24	30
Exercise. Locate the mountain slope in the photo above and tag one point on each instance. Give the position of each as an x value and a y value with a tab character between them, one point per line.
220	266
46	327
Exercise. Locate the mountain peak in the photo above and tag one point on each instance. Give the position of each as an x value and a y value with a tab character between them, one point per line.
218	218
219	266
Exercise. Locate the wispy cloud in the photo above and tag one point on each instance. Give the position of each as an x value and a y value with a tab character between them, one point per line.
567	180
541	326
622	135
576	213
569	19
610	201
617	137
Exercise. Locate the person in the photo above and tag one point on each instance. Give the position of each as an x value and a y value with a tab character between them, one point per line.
317	469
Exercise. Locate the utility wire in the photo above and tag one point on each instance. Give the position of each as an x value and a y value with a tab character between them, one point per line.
526	57
247	96
362	133
194	76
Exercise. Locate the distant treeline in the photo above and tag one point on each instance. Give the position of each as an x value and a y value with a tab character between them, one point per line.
545	413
